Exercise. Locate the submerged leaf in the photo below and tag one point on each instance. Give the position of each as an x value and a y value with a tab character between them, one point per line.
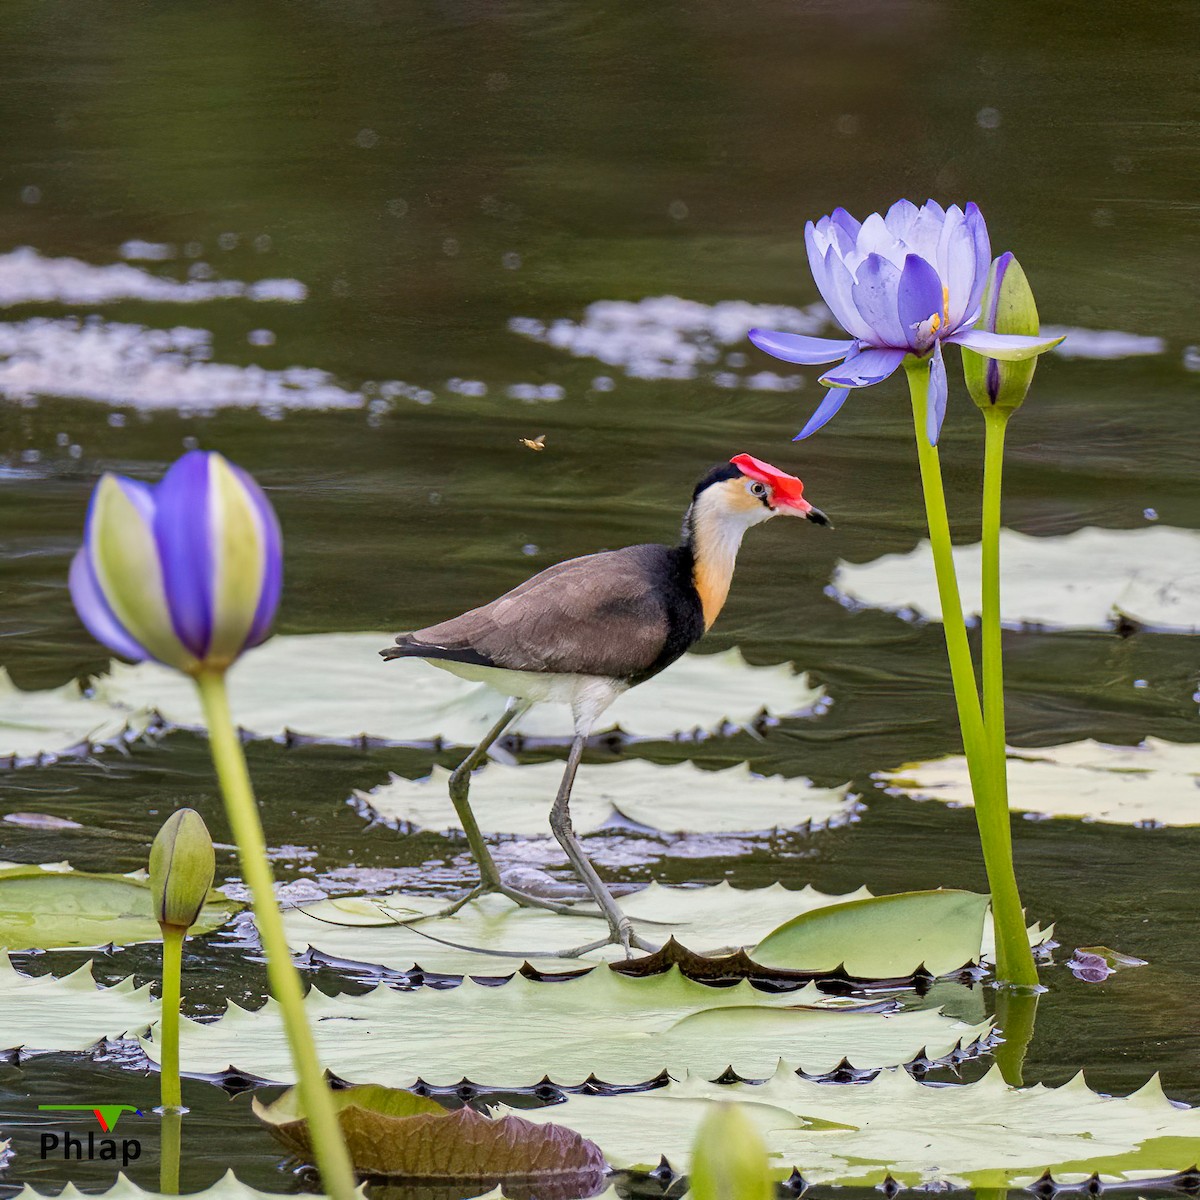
983	1134
517	799
394	1133
72	1013
35	726
1155	783
48	908
882	937
1113	959
621	1030
411	702
1090	579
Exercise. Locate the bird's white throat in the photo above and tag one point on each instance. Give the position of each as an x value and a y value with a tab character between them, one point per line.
717	536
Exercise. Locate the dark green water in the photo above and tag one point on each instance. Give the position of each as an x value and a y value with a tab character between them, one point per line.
429	172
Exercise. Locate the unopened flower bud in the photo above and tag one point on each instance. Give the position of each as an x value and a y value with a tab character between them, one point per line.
1008	307
182	865
729	1159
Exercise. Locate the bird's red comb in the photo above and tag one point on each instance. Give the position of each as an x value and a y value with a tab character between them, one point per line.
786	486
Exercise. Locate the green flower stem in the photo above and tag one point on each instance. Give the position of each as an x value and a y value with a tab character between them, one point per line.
995	422
1015	1015
1014	959
172	969
171	1125
329	1149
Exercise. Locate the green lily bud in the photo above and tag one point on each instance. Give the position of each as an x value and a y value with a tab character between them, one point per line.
1008	307
729	1159
182	865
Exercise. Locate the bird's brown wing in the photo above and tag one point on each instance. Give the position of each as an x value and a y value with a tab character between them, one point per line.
603	614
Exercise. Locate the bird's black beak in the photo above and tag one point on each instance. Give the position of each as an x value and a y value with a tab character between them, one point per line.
817	517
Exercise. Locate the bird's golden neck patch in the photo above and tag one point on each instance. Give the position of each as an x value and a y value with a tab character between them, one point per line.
718	521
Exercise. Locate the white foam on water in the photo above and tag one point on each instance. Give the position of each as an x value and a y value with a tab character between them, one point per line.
130	365
666	337
1102	343
27	277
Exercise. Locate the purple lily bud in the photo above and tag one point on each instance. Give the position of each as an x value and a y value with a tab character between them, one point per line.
900	285
187	573
1008	307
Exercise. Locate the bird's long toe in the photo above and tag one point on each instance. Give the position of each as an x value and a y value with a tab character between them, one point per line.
568	908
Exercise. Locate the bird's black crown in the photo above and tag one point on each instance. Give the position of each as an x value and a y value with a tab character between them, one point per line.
718	474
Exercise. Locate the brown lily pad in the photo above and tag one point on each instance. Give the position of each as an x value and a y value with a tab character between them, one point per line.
392	1133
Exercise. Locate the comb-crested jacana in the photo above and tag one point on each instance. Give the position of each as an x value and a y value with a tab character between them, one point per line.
586	630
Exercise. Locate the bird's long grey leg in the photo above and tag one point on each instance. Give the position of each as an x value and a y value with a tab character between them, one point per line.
489	873
460	787
560	822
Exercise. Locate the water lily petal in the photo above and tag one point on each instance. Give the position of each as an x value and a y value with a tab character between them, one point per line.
919	297
826	411
272	587
183	532
799	348
123	554
901	218
95	613
838	294
864	368
874	295
816	243
1011	347
925	230
983	257
956	265
935	410
844	221
239	564
876	238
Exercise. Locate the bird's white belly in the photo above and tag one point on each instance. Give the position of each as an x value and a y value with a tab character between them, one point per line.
587	695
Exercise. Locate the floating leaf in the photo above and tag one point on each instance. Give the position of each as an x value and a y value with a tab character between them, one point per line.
228	1187
1090	579
708	920
517	800
395	1133
1155	783
413	703
49	908
72	1013
35	726
619	1029
983	1134
882	937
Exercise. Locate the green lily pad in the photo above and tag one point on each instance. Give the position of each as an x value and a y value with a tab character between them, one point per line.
393	1133
37	726
410	702
72	1013
881	936
48	908
709	920
983	1134
1090	579
622	1030
517	800
228	1187
1155	783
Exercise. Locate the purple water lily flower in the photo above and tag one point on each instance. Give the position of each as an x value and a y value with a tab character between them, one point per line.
899	285
187	573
